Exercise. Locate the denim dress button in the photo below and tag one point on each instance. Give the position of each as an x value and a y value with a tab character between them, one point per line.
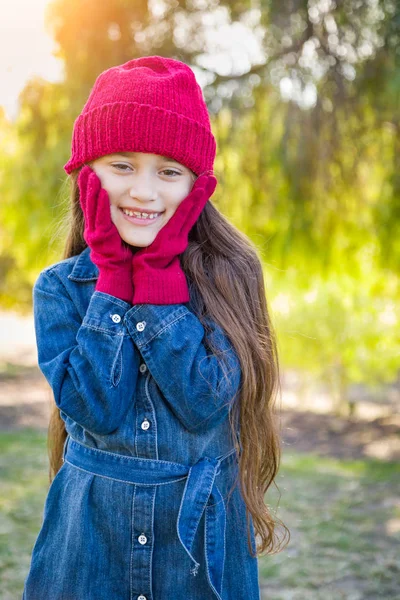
145	424
138	471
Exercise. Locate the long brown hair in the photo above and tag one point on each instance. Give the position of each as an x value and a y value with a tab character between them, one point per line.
224	265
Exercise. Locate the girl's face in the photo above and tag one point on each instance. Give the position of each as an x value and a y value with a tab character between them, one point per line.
145	183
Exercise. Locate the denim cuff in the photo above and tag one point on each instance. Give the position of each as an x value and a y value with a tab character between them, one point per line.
106	313
147	321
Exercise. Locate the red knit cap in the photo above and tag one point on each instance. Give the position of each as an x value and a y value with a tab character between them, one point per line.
149	104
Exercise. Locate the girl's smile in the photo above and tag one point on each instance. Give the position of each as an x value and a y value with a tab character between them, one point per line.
144	191
143	220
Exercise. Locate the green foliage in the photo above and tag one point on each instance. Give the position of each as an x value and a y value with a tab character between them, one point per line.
340	328
32	206
317	189
105	34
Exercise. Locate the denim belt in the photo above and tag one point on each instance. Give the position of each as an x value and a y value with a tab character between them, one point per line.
200	494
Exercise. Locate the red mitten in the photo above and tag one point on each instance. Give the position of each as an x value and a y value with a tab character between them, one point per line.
108	251
158	277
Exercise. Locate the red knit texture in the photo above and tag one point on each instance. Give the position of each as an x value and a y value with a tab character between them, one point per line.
149	104
158	277
108	252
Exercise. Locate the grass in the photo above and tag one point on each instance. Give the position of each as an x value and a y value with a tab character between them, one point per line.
344	520
24	484
343	516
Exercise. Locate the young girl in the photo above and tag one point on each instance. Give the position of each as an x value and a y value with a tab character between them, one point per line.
154	335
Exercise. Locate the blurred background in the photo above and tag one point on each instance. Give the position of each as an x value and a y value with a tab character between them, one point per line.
304	98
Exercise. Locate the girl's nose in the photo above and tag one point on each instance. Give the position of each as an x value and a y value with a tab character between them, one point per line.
143	189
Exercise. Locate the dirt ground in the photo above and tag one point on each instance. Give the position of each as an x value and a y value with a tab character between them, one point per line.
307	423
26	400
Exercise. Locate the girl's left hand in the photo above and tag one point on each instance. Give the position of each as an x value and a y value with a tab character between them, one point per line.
158	277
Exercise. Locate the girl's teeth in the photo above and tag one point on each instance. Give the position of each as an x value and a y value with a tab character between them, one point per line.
140	215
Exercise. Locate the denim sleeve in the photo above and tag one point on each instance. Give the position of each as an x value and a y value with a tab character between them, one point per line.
199	388
90	364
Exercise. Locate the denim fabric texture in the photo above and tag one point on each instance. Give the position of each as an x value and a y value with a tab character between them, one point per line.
139	509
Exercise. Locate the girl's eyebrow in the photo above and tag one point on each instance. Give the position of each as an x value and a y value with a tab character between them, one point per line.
128	154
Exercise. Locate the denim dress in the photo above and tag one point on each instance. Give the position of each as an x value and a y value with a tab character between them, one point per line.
140	509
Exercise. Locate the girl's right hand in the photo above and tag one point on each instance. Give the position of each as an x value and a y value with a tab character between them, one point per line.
108	251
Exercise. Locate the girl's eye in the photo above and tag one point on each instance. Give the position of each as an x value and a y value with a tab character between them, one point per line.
119	165
124	168
171	171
